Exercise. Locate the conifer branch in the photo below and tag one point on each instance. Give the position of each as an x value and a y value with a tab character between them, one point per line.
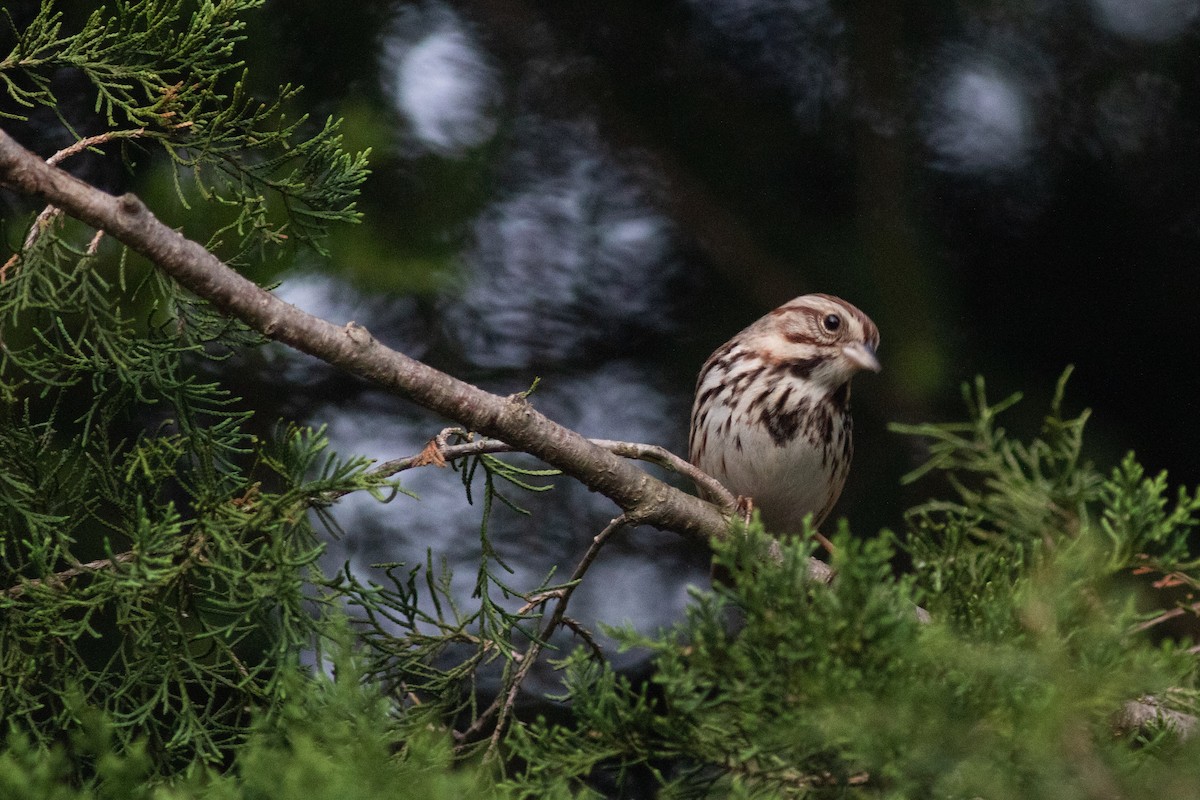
438	453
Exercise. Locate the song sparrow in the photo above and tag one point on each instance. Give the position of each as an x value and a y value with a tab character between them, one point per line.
771	419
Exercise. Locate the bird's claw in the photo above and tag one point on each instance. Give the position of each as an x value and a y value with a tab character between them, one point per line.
744	508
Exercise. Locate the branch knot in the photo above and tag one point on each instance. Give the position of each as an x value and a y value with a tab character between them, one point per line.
357	333
131	204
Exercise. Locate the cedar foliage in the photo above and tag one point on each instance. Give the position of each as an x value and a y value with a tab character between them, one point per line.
160	586
1010	691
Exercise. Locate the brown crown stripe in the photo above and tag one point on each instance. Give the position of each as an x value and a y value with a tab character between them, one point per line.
870	331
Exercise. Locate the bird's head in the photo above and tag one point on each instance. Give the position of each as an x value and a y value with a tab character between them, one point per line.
819	337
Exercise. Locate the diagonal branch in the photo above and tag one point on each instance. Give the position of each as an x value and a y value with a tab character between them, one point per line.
352	349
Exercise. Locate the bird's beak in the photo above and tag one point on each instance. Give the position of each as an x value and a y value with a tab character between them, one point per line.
862	356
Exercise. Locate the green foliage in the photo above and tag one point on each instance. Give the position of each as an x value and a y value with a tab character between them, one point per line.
1036	509
164	72
173	614
778	686
423	642
160	585
335	739
157	556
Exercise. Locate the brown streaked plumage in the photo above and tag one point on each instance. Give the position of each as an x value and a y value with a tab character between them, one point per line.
771	420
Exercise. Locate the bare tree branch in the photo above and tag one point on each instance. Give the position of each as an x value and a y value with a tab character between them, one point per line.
352	349
668	460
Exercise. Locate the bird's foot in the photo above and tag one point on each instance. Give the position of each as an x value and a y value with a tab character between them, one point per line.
744	508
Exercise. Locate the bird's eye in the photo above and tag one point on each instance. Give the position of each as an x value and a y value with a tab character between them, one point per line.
832	322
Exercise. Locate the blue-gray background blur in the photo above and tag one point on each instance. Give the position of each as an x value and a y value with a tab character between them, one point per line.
597	193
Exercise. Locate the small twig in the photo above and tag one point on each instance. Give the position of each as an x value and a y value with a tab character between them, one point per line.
79	569
481	721
41	222
237	662
438	452
92	141
48	215
463	737
1169	614
668	460
583	633
94	245
651	453
556	618
823	540
1161	618
539	599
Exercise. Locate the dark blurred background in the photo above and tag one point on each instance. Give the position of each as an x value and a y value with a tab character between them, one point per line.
599	193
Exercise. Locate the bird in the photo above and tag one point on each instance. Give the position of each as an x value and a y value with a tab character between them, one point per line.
771	417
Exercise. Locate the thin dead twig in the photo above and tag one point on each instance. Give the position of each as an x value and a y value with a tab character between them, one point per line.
556	618
92	141
437	452
663	457
51	213
583	633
